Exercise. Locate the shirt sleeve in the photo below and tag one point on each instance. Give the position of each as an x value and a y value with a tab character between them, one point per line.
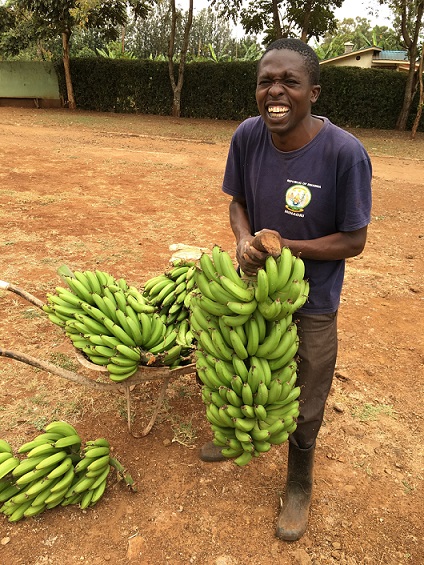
354	198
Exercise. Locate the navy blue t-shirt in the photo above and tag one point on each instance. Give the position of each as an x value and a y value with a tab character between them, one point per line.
319	189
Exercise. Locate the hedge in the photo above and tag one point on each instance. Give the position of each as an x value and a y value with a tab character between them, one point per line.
350	97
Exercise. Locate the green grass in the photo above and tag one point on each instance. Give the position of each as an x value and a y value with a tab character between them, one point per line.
369	412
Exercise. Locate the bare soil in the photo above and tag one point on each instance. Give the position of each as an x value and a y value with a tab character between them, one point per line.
114	192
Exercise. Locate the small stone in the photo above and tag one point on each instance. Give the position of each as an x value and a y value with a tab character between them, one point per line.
167	442
301	557
336	545
5	541
338	408
136	546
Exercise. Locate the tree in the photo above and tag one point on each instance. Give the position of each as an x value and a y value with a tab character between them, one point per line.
62	17
421	96
177	84
409	14
280	18
359	32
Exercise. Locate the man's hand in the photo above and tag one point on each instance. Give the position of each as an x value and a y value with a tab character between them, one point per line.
249	258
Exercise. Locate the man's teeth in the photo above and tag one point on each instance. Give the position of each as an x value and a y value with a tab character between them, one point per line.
277	110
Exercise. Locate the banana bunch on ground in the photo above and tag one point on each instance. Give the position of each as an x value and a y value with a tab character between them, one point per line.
54	472
115	325
246	348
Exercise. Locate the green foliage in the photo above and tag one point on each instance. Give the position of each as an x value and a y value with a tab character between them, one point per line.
119	85
354	97
351	97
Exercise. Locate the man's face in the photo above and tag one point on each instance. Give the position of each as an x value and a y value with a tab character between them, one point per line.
284	96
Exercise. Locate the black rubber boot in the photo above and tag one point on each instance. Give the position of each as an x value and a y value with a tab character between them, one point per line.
293	519
211	453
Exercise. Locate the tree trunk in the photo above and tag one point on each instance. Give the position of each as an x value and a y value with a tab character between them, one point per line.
421	98
177	86
276	20
306	20
66	63
412	45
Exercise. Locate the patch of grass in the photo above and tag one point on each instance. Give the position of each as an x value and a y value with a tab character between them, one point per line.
407	487
369	412
64	361
184	433
32	313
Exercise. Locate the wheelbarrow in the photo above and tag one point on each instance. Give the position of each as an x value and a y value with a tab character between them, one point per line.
144	374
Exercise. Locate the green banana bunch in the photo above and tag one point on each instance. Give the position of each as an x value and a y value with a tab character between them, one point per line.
56	472
121	328
246	348
90	475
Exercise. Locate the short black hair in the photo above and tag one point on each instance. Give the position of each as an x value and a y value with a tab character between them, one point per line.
309	55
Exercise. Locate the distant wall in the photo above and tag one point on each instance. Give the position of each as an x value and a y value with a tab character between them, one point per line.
29	83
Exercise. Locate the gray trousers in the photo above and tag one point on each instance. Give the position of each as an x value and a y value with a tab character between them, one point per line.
317	360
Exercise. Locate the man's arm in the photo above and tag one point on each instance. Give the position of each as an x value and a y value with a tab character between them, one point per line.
340	245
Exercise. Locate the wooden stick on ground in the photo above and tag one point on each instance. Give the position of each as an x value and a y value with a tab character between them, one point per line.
144	374
23	293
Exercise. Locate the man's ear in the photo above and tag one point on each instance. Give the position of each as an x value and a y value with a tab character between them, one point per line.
315	92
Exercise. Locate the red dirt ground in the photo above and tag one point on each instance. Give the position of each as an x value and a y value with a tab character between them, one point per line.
114	192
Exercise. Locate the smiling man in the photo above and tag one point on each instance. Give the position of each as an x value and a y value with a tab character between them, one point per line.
301	176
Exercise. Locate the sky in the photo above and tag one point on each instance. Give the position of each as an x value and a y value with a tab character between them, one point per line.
349	9
362	8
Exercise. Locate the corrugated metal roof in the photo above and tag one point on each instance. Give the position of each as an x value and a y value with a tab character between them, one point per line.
393	55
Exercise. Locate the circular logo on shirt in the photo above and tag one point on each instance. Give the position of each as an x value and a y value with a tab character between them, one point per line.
297	198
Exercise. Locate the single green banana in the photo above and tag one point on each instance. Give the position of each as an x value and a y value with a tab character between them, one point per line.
33	475
248	411
232	452
5	447
271	268
224	371
208	267
95	451
243	308
212	307
288	357
118	332
260	411
262	286
224	351
237	384
262	446
240	367
254	377
233	398
4	456
271	340
261	395
278	439
97	493
243	459
229	269
239	291
79	289
285	264
244	424
247	394
132	353
234	320
53	459
238	346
